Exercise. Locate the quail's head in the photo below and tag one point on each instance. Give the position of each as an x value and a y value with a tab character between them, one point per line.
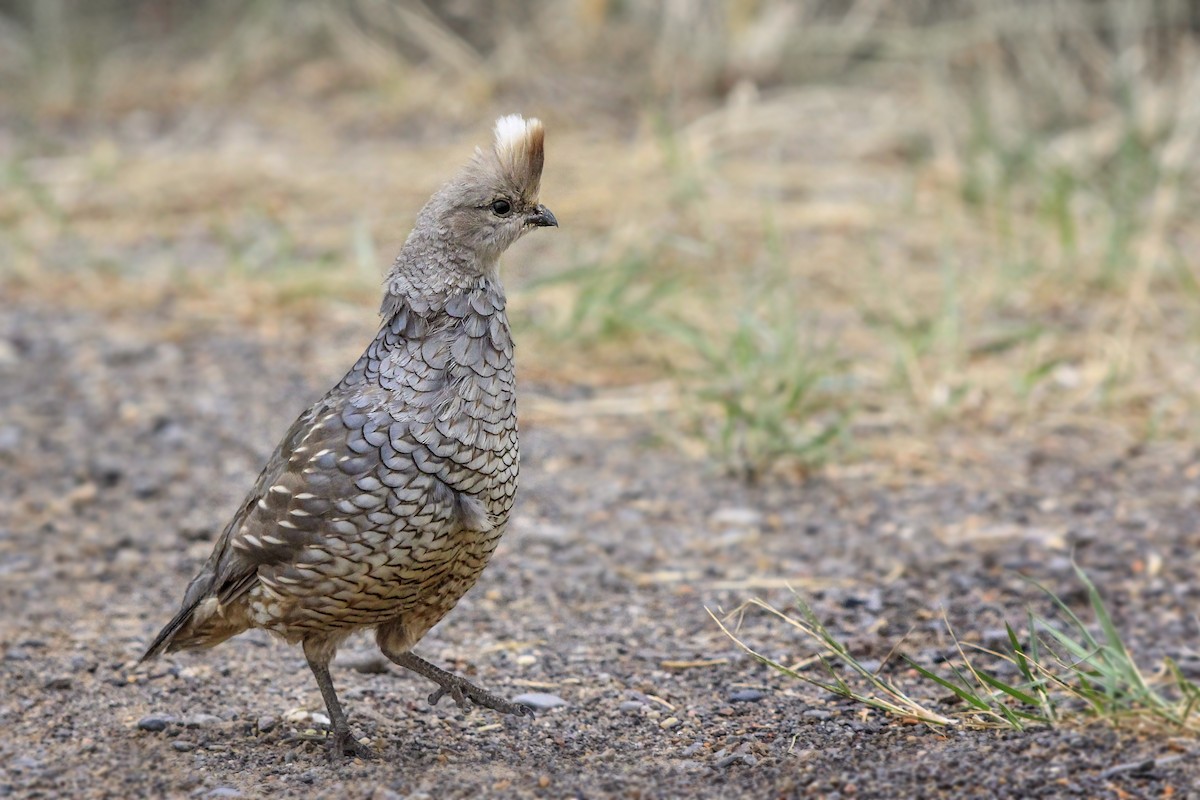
494	198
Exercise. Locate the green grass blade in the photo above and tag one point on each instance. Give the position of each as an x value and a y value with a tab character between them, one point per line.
1011	691
963	693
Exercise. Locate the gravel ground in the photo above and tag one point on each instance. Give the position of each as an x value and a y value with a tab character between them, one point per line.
126	442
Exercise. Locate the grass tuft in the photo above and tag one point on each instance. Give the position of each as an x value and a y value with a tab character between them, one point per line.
1060	670
767	392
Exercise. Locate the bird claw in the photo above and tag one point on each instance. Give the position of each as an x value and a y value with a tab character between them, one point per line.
454	691
460	690
342	744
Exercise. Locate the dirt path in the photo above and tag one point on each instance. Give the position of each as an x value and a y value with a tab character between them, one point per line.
125	444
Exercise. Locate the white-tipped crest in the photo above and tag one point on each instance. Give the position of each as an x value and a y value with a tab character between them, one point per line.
519	151
514	131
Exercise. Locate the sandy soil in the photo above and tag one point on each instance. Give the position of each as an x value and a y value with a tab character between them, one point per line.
126	441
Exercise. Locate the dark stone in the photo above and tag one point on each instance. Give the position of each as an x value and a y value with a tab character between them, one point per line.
155	723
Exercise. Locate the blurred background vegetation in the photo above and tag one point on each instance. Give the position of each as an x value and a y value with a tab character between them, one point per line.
800	232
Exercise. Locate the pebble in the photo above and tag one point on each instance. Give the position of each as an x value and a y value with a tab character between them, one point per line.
631	707
366	663
384	793
817	713
10	436
302	715
735	758
224	791
155	722
746	696
83	664
59	682
693	749
182	746
201	720
547	532
540	701
266	723
668	723
736	517
297	715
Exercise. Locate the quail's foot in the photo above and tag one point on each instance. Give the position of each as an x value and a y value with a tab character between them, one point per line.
460	690
342	743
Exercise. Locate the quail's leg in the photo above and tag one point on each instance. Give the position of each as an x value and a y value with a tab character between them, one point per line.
460	689
341	742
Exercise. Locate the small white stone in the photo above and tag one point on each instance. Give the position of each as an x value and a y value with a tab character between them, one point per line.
736	518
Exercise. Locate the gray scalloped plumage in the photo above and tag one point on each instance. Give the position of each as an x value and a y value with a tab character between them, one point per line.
386	498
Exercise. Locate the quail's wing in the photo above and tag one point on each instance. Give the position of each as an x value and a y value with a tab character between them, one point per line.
275	521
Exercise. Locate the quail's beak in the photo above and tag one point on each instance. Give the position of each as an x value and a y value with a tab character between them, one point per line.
541	217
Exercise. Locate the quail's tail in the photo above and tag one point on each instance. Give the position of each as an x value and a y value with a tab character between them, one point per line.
166	637
198	605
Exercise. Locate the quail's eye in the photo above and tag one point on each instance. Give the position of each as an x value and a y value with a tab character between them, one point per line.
501	208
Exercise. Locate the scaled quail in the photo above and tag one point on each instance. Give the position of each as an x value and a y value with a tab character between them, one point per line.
386	498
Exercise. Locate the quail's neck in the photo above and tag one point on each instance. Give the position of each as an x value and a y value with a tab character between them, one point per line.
430	270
